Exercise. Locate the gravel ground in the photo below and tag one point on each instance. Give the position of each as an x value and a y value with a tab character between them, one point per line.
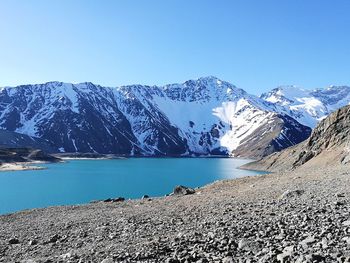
303	216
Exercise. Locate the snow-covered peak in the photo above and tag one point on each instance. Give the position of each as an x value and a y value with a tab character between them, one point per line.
333	95
308	106
210	81
202	90
285	95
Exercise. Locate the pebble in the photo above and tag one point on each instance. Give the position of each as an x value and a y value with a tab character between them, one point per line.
13	241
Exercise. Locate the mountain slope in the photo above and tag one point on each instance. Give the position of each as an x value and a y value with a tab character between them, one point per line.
213	116
273	136
329	144
201	117
10	139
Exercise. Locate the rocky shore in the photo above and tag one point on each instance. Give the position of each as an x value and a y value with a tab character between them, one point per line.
300	216
5	167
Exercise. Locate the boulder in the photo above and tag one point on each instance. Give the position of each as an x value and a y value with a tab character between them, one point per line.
292	193
183	190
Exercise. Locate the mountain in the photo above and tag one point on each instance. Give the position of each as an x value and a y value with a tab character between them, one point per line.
215	117
198	117
308	106
329	144
10	139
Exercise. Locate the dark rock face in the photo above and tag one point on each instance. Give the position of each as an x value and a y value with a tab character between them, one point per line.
280	133
332	132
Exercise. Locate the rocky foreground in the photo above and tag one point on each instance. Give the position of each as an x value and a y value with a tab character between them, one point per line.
303	216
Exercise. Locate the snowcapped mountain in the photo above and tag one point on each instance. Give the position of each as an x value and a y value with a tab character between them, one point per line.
77	118
308	106
204	116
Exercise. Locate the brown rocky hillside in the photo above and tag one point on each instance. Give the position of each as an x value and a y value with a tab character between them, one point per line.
329	144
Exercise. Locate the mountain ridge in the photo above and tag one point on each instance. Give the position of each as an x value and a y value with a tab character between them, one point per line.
308	106
206	116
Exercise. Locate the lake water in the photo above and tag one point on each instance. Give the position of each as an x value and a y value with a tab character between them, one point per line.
80	181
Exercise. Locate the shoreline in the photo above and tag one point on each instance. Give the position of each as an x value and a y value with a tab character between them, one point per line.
30	166
26	166
115	156
225	213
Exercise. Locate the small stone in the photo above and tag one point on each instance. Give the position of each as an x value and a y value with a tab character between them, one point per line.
288	250
338	203
107	260
13	241
317	258
307	241
227	260
324	242
346	223
54	239
33	242
112	235
300	259
346	239
211	235
292	193
145	196
340	195
287	253
306	218
66	256
118	199
247	245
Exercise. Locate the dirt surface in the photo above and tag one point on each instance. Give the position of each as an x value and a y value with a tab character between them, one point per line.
302	216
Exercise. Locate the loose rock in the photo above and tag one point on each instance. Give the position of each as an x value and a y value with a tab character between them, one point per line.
183	190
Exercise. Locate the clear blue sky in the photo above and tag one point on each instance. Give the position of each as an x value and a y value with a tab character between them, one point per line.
256	45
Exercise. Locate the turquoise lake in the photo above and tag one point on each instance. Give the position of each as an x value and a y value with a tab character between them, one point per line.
81	181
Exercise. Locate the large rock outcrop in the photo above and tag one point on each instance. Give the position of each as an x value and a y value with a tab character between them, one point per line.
329	144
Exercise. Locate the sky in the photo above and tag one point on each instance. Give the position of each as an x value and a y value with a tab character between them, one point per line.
256	45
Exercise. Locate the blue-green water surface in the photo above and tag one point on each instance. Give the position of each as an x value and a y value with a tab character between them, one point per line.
80	181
